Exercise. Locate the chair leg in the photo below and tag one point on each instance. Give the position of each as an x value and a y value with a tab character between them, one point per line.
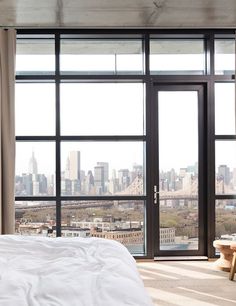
233	268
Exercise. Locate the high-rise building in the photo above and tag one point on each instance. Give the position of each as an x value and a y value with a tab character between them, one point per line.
67	170
74	165
43	184
89	182
172	179
35	188
27	183
33	165
99	180
105	165
187	182
50	184
66	187
224	173
124	178
75	187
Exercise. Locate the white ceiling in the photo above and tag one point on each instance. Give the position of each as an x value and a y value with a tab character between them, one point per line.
118	13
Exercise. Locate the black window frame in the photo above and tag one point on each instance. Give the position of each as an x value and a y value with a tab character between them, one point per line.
208	80
57	79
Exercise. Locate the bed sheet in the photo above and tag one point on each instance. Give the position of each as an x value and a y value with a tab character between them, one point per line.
41	271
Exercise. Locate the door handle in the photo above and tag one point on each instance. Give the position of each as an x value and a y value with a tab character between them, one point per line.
155	193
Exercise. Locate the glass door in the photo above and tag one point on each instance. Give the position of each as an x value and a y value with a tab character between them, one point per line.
178	180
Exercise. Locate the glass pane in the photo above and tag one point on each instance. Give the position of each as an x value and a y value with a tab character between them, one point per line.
102	168
93	56
177	56
35	169
225	109
35	218
178	169
224	56
225	167
123	221
35	56
102	109
35	109
226	219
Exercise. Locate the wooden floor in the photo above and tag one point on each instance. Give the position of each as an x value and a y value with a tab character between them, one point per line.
190	283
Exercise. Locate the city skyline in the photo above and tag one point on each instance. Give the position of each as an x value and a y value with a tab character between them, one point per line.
101	180
76	181
120	155
190	167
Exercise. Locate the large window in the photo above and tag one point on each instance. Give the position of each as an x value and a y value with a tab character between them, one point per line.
80	151
92	55
35	168
226	219
102	108
177	56
87	151
224	55
225	152
178	171
225	108
35	101
102	168
35	55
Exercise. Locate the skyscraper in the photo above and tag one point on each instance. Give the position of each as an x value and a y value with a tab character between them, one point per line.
124	178
33	166
99	181
67	170
74	165
224	173
89	182
105	165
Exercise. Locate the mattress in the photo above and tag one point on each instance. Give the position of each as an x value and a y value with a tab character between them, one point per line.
68	272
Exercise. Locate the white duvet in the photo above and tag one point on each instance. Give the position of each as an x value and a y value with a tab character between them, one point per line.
39	271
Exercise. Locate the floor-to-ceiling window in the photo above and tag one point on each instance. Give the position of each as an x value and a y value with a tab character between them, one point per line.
80	128
178	134
225	139
127	136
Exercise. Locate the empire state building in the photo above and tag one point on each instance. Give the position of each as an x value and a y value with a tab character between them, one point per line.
33	166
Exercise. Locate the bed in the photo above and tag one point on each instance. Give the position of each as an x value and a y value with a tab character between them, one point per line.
40	271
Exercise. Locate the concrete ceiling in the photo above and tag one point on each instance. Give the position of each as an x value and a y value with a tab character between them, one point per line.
118	13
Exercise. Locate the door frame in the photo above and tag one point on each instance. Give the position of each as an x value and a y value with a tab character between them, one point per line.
202	167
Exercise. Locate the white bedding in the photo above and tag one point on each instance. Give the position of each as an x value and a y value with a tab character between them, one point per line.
39	271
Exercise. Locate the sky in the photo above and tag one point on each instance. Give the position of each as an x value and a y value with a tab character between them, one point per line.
119	155
178	131
117	109
86	109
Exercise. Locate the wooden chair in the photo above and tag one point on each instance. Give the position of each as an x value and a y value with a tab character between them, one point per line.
233	264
